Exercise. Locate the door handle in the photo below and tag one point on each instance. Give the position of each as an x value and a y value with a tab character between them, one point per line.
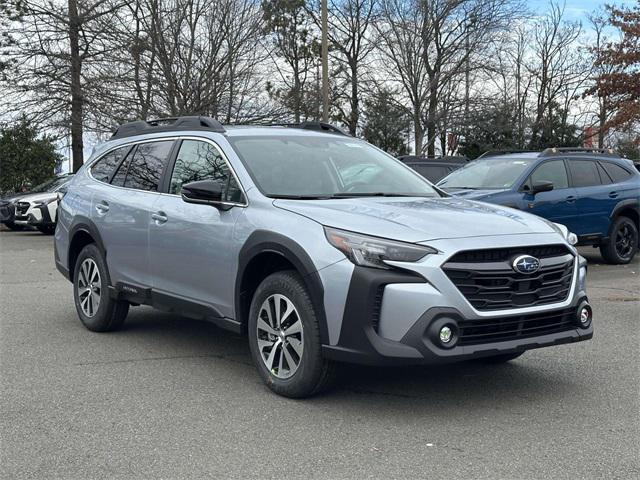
159	218
571	199
613	194
102	207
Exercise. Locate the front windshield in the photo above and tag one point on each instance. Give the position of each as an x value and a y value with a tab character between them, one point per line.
490	173
50	185
325	167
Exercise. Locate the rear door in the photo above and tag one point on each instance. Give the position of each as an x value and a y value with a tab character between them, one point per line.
593	197
558	205
122	211
193	255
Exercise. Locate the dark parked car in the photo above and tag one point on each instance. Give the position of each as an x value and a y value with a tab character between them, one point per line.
433	169
594	193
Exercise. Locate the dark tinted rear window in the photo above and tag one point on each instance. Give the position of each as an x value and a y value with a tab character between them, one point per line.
143	169
584	173
103	168
434	173
616	172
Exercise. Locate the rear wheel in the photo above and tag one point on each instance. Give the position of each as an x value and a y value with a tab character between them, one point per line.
622	244
96	309
284	337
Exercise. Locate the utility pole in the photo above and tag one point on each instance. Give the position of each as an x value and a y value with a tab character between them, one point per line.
325	64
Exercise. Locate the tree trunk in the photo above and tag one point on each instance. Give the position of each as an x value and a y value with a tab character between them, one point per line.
76	87
432	111
355	107
417	131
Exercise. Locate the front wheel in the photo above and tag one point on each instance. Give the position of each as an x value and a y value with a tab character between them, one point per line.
47	229
284	337
96	309
13	226
622	244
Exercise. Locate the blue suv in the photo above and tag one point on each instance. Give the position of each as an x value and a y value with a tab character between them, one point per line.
594	193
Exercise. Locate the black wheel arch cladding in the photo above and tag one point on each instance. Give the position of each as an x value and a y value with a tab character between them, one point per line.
264	241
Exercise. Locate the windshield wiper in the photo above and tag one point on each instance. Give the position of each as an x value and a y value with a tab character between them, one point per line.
301	197
377	194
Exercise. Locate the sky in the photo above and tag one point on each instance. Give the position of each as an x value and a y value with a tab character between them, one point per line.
577	10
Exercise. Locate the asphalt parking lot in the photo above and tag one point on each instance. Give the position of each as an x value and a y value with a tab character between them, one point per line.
173	398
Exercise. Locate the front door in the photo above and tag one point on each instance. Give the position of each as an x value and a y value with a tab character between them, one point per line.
192	253
557	205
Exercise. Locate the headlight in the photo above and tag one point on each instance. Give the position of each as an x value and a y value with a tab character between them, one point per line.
570	237
369	251
45	202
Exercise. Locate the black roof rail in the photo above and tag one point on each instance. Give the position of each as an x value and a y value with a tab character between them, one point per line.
456	159
605	152
323	127
169	124
491	153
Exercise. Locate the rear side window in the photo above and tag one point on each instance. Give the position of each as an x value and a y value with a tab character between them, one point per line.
616	172
103	168
584	173
202	161
143	169
554	172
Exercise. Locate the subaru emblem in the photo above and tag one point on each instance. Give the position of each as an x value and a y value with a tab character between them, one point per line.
526	264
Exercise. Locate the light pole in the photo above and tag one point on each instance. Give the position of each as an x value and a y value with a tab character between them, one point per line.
325	64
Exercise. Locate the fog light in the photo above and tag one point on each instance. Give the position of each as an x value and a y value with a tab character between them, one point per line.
584	315
445	334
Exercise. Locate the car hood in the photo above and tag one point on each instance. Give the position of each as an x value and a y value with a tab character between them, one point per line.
39	197
13	196
417	219
472	194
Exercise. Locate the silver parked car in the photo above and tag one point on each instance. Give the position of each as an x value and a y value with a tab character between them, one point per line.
271	231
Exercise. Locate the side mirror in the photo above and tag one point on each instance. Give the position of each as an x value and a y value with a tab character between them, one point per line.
208	192
542	186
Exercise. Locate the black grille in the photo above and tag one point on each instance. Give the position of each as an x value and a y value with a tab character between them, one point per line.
505	254
511	328
21	208
377	306
488	281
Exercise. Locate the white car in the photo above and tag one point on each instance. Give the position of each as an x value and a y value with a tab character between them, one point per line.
40	209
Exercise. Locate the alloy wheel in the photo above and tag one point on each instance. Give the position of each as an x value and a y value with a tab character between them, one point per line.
280	336
624	241
89	287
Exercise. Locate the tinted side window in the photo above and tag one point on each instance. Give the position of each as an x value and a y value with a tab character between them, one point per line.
147	164
103	168
616	172
554	172
121	174
202	161
584	173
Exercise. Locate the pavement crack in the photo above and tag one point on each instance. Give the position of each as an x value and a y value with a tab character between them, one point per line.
153	359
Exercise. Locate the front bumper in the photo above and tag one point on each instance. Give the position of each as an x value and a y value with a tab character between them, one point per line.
37	216
393	316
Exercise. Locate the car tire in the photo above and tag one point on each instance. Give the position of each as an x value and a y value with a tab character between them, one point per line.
279	340
47	229
504	358
96	309
622	244
13	226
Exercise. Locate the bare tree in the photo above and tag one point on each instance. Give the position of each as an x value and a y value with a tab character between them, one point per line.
52	44
350	25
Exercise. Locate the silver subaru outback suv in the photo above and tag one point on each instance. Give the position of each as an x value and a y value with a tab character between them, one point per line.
319	246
